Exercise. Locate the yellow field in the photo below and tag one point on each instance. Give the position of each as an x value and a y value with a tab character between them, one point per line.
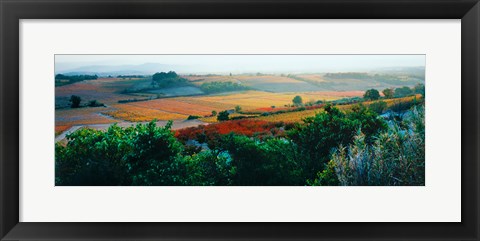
133	113
181	107
296	116
177	105
251	100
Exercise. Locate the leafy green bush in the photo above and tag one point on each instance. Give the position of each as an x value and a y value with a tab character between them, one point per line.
297	100
223	115
378	107
388	93
193	117
271	162
75	101
327	130
209	168
371	94
140	155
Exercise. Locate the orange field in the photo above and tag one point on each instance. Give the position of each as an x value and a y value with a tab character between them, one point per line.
251	100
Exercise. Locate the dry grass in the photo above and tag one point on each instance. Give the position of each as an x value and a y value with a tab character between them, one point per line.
81	116
104	90
290	117
391	102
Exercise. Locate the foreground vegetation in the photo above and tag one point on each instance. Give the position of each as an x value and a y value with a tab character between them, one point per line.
334	147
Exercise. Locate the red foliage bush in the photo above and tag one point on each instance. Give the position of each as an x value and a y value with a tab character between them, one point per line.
207	133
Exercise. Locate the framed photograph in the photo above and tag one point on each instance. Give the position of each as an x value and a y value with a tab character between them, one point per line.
169	120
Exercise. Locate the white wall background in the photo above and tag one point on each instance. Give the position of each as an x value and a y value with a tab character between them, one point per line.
438	201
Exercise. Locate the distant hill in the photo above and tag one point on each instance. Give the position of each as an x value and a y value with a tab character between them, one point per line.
114	70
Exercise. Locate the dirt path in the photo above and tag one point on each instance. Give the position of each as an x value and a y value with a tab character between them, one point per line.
177	124
65	133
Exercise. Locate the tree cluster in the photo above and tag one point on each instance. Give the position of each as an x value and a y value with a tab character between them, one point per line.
61	79
217	87
168	79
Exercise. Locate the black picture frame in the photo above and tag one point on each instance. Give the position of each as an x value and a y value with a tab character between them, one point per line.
12	11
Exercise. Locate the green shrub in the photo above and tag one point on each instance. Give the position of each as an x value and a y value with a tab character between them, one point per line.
388	93
327	130
402	92
371	94
217	87
223	116
378	107
193	117
75	101
168	79
140	155
267	163
209	168
297	100
95	103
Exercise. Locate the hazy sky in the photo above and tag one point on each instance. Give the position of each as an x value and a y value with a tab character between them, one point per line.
245	63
